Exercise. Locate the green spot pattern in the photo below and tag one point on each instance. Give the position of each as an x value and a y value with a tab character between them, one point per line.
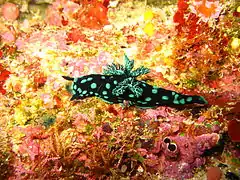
131	95
175	101
154	91
148	99
83	81
73	91
108	86
93	85
89	79
189	99
104	92
79	90
182	101
165	98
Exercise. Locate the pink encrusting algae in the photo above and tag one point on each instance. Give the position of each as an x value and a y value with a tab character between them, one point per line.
178	156
188	51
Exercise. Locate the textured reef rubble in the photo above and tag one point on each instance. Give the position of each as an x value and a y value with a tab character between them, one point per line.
190	47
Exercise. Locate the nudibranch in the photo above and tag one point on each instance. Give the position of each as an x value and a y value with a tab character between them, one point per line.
118	84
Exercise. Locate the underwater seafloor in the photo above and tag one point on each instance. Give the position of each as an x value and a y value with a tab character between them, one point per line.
191	47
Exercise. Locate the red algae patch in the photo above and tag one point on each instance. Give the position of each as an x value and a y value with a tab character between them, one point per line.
10	11
233	130
214	173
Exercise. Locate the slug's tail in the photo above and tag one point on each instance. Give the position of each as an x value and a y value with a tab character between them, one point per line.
199	100
68	78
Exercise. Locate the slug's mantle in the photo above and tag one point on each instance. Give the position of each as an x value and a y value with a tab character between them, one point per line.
118	84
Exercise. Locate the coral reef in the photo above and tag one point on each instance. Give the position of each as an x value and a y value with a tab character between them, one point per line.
192	47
